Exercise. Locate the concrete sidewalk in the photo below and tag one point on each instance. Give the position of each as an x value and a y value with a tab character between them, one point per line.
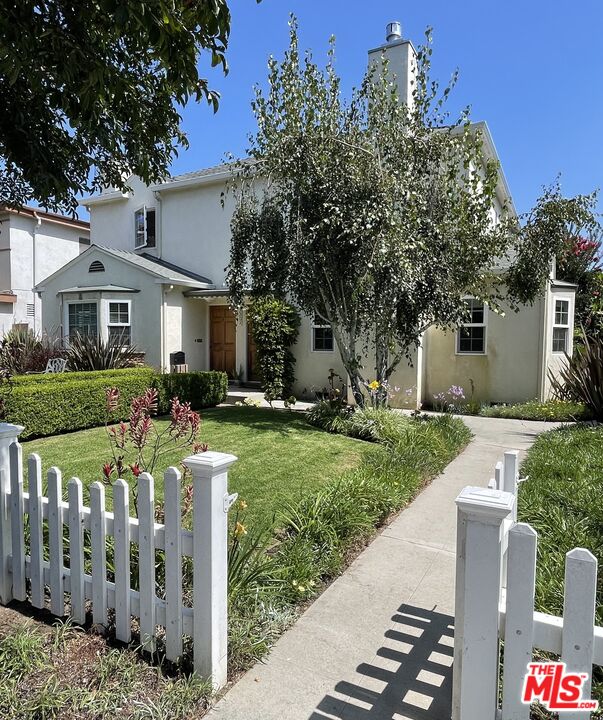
377	644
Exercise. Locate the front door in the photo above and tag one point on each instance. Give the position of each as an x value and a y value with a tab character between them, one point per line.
222	339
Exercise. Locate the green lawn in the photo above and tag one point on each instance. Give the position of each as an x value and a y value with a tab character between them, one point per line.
281	458
562	501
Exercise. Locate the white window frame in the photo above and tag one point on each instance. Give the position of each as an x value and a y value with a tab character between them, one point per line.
144	209
109	324
314	326
99	327
483	324
566	326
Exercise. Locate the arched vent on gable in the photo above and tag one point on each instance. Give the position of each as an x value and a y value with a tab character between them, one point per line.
96	266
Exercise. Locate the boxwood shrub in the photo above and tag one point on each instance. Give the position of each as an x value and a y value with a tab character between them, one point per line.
69	403
53	404
201	389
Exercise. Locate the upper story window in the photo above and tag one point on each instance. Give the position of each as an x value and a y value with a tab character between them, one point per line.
561	326
144	227
322	335
471	335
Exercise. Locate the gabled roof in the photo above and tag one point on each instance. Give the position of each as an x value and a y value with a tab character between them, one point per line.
164	272
48	216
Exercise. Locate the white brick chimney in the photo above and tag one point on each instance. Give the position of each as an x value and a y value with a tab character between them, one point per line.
402	61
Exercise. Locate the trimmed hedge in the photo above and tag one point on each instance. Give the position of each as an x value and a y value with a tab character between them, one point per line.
201	389
53	378
54	404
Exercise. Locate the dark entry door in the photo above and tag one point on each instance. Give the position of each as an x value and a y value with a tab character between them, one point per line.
222	339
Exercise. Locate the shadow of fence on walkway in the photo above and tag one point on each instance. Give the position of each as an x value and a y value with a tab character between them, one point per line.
409	679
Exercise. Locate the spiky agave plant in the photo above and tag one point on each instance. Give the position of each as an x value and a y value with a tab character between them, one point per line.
89	352
580	379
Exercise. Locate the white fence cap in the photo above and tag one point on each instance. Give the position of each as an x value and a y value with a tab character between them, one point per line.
10	430
209	463
486	502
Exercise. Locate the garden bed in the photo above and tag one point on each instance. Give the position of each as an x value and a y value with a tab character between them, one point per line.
561	500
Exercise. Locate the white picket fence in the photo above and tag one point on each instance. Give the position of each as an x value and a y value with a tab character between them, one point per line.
205	620
495	584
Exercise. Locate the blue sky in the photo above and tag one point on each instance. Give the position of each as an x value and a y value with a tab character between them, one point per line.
533	69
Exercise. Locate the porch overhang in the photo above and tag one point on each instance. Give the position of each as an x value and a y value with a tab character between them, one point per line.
97	288
207	294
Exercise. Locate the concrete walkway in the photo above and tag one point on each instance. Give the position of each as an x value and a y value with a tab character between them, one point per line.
377	644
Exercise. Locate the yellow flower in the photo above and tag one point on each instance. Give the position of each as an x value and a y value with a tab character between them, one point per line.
240	530
243	505
375	385
301	588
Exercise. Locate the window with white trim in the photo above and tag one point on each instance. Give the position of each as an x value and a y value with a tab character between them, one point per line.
322	335
119	326
471	335
82	319
561	326
144	227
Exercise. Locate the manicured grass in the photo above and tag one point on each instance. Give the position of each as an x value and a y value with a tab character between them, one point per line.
281	458
548	411
562	501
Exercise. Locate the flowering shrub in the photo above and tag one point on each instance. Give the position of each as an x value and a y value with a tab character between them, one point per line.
137	445
449	401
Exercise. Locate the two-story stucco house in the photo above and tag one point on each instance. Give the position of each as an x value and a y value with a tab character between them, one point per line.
33	244
155	273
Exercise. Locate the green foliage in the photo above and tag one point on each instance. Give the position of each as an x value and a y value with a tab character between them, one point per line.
275	326
48	408
52	404
580	379
90	352
579	262
330	415
201	389
560	501
21	351
548	411
544	235
99	86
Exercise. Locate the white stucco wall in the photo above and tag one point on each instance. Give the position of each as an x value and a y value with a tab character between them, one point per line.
30	252
508	372
145	308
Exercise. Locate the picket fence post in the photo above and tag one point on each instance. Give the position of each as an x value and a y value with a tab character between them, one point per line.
9	434
210	563
481	514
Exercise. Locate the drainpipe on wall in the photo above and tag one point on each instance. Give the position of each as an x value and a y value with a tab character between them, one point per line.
33	249
165	361
158	224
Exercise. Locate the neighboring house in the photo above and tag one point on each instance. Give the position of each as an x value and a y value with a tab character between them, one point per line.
155	274
33	244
